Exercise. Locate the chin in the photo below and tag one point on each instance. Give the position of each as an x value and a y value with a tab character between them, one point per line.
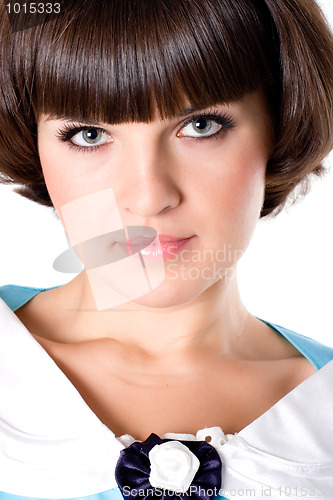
172	288
161	301
172	294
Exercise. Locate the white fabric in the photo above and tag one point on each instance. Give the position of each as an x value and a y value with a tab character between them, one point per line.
289	449
53	446
172	466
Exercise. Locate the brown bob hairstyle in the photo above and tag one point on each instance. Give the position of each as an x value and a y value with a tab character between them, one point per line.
114	61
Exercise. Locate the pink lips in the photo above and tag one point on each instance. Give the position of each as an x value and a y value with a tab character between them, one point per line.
170	245
163	248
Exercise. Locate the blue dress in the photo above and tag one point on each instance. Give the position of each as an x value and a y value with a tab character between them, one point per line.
52	445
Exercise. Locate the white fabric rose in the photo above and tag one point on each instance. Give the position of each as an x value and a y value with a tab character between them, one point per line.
172	466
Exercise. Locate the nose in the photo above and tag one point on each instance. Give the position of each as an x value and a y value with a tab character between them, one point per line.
148	181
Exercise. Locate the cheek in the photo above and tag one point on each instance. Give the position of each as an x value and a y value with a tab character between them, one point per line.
243	190
232	194
60	172
51	162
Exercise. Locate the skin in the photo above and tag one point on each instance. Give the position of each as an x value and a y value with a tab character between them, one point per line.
165	349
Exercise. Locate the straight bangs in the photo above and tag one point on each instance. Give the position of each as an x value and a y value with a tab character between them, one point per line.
121	61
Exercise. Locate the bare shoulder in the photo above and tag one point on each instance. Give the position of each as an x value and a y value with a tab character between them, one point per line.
301	370
45	315
276	359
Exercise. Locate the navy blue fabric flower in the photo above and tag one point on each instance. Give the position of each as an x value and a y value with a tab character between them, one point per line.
167	468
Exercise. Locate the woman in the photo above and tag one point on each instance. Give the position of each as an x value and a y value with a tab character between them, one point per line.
161	132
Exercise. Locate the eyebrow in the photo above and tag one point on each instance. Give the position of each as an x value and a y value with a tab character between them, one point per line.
185	112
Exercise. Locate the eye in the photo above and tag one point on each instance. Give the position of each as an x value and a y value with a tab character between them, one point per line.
201	127
83	137
205	126
90	137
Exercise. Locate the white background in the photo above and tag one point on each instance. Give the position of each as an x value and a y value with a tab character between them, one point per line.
285	276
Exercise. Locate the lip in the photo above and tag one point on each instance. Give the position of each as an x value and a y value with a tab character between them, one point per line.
163	248
167	237
168	247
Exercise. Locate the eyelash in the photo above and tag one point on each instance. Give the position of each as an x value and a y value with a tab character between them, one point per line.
70	130
223	119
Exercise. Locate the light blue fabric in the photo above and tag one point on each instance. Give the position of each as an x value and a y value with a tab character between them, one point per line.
317	353
16	296
113	494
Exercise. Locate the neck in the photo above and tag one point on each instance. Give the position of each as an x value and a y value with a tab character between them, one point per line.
214	319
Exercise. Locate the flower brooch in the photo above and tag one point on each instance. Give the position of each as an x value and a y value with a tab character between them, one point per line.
167	468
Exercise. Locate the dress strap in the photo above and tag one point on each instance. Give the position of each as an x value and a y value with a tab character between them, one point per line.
317	353
16	296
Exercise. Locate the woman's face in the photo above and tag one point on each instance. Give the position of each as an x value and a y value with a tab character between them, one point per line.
197	179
